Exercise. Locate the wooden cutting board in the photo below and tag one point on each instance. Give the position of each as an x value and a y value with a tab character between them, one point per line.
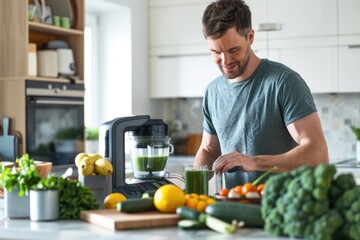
114	220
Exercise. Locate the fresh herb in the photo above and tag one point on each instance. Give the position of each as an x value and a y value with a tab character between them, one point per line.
21	178
356	131
50	182
74	198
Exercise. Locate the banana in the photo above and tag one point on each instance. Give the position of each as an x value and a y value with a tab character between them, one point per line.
103	167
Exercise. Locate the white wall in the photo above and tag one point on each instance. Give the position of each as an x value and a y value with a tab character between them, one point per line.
123	75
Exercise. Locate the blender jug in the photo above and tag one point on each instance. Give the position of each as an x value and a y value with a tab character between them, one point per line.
149	150
149	155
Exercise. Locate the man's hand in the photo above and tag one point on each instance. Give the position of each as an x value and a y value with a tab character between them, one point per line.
228	161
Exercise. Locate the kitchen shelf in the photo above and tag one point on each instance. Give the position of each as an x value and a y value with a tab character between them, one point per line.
50	29
52	79
16	34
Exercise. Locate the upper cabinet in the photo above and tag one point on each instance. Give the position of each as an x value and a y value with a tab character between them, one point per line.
320	39
180	61
349	45
308	44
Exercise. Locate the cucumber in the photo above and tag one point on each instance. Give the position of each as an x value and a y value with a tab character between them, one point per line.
191	224
227	211
149	194
136	205
219	225
188	213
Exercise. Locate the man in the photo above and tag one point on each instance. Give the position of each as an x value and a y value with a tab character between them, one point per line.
259	113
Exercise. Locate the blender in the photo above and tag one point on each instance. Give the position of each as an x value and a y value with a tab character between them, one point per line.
149	150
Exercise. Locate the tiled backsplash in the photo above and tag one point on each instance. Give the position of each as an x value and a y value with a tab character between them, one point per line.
337	112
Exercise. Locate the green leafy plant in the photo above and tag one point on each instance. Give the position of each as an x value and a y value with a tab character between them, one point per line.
69	134
50	182
92	133
74	198
356	131
20	178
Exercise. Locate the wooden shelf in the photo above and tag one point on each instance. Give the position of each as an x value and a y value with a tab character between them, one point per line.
50	29
52	79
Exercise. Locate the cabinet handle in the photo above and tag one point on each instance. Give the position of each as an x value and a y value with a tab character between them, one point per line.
354	46
267	27
57	102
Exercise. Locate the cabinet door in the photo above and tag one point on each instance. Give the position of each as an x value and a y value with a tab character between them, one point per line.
303	18
349	17
183	76
349	71
259	15
316	65
177	24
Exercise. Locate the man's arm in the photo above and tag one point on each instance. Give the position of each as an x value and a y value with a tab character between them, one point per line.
209	150
312	150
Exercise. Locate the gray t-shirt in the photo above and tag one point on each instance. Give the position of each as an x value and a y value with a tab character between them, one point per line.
251	116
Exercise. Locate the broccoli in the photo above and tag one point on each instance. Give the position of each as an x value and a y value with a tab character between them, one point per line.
321	229
296	204
341	183
349	206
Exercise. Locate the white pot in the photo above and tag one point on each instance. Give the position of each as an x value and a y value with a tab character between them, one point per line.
15	206
44	205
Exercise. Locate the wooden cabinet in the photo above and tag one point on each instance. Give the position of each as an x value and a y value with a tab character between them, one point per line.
15	34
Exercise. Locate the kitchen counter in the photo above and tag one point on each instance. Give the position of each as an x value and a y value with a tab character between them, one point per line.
77	229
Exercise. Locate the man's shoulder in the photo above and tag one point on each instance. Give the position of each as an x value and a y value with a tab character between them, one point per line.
276	67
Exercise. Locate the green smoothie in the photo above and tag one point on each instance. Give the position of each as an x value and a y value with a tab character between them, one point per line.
197	181
142	164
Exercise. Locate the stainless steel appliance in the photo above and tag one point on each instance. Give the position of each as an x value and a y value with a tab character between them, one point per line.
54	121
150	148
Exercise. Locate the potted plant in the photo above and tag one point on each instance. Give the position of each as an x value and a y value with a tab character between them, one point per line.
69	140
45	199
92	140
356	131
16	183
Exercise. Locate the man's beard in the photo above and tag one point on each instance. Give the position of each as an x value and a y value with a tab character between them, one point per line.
239	70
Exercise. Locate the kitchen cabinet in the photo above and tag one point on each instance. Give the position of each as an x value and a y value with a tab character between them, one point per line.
180	61
15	35
308	44
322	47
349	45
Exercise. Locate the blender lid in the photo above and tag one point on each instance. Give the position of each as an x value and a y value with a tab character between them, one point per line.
153	128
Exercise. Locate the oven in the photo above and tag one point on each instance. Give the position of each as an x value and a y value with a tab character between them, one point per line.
54	121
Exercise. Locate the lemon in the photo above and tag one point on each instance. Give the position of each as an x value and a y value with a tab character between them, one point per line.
79	158
169	197
112	199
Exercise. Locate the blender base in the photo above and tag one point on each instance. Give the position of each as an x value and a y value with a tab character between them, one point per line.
134	188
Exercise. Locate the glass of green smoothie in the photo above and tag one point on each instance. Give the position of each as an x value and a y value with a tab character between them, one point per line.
196	179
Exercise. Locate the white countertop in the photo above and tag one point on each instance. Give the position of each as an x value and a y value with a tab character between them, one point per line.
78	229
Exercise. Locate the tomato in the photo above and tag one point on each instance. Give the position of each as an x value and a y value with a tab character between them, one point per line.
248	187
260	188
238	189
224	192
